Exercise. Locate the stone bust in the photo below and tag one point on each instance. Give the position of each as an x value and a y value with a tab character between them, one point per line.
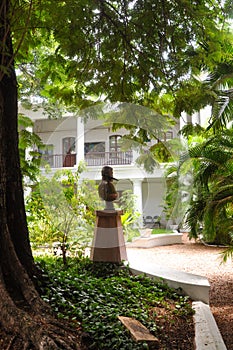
106	188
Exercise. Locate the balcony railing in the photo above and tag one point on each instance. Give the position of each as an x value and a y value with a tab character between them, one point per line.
58	160
91	159
108	158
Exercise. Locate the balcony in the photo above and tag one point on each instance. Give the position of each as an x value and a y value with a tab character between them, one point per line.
108	158
91	159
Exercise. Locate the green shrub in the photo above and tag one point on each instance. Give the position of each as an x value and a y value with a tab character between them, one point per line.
95	294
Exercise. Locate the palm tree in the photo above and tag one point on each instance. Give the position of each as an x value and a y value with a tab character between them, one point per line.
212	202
212	195
218	90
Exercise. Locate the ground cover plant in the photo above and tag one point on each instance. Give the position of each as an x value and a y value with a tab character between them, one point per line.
92	296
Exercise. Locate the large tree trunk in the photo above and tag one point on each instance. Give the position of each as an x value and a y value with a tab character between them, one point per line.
16	218
22	311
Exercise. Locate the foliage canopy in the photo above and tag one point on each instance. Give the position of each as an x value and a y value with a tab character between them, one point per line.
83	51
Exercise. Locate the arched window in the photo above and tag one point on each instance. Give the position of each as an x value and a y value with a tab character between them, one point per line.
68	150
115	143
68	145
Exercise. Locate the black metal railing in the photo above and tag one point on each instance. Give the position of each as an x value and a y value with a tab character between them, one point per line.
58	160
108	158
91	159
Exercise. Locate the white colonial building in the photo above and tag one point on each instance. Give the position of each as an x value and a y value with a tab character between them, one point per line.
70	140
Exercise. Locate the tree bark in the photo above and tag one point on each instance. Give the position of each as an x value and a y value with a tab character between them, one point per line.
16	218
22	311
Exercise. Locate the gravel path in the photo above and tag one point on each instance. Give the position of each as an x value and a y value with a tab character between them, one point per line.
201	260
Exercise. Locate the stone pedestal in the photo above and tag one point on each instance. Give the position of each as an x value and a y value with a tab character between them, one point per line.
108	244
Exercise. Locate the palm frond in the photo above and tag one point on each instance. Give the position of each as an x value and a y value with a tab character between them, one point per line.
194	217
227	254
221	110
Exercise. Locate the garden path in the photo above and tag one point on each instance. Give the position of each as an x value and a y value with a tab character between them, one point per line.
202	260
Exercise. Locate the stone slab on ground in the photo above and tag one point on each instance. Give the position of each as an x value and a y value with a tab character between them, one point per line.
138	331
207	334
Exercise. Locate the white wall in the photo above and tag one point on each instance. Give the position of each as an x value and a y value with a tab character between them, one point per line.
153	191
53	131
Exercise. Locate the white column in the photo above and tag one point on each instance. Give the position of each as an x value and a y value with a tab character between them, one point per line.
137	190
196	118
80	141
185	119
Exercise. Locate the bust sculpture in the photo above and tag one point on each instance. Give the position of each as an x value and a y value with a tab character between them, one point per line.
108	242
106	188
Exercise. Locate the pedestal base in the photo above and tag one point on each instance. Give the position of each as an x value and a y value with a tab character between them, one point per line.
108	244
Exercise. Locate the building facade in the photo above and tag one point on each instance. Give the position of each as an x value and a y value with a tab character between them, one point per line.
70	140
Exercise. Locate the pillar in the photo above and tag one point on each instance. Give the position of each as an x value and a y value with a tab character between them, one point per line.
80	141
196	118
108	244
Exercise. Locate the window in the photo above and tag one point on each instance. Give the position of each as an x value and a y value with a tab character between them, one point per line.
69	154
47	154
165	136
94	147
168	135
115	143
68	145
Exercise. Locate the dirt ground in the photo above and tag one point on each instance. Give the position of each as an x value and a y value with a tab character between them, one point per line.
201	260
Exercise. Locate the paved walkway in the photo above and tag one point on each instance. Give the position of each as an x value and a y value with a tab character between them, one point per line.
204	261
189	257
